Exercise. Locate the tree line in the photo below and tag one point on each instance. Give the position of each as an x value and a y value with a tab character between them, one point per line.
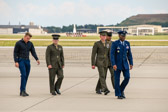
53	29
93	27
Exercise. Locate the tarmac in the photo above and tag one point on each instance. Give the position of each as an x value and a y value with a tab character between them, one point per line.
147	90
93	40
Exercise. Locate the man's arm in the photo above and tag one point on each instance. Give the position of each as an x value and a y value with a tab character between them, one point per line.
62	57
94	52
33	52
16	54
48	60
112	54
129	56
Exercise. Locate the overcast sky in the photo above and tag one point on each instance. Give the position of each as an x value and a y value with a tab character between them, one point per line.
65	12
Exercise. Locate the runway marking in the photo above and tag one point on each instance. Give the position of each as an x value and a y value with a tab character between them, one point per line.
62	92
147	58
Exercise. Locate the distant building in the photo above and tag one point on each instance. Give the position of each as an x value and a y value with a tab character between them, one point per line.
144	29
165	29
84	30
17	29
115	29
138	29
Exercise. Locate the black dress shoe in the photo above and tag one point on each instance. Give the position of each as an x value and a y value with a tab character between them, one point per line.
53	93
123	95
58	92
23	94
98	92
106	92
120	97
26	93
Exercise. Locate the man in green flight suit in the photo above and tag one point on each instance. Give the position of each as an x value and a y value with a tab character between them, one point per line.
109	43
100	59
55	64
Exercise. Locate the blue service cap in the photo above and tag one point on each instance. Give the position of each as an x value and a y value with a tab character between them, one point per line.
123	33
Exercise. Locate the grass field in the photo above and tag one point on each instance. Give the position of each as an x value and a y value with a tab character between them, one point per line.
86	42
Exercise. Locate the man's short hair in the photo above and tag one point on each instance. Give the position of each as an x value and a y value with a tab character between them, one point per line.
28	34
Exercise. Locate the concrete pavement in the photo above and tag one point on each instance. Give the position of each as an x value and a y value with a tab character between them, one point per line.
146	92
81	40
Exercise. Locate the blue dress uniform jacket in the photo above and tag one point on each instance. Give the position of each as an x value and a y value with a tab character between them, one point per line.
121	54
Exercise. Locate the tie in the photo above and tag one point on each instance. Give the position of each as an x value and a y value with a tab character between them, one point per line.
56	46
123	43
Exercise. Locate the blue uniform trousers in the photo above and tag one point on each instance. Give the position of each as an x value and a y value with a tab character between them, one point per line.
24	67
120	88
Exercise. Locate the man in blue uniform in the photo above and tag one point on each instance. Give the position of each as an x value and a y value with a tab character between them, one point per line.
120	55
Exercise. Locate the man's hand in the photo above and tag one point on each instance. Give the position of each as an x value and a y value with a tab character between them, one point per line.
131	66
17	64
115	67
38	62
49	66
93	67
